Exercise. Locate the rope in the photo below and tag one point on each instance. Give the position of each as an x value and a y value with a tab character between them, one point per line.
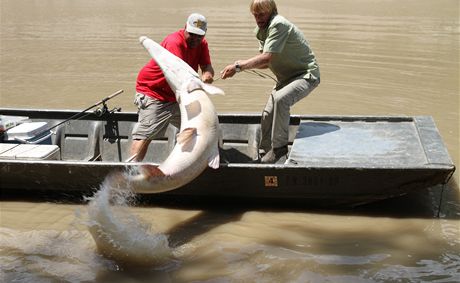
256	73
260	74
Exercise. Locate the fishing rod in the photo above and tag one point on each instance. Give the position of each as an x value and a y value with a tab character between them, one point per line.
99	112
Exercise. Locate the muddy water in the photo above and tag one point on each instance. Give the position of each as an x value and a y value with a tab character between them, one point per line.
377	57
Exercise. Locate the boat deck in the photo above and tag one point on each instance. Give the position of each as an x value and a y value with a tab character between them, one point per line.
386	143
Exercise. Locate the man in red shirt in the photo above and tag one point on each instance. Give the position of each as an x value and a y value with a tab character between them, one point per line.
154	98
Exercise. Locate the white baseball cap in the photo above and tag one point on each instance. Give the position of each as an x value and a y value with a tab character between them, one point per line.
197	24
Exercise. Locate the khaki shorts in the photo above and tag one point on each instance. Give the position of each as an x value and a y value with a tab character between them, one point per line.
154	117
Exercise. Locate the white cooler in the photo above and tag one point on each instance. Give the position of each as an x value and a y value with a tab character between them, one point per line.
30	133
29	151
8	122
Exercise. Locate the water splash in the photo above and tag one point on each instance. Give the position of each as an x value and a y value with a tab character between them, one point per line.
120	235
49	256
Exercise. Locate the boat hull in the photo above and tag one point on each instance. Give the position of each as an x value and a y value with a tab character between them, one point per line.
342	180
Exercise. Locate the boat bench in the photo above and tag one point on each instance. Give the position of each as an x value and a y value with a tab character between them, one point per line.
79	140
160	148
107	141
239	143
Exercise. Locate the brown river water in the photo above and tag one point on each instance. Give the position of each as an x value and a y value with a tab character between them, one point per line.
377	57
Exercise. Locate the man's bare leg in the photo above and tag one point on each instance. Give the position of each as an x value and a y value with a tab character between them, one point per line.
138	150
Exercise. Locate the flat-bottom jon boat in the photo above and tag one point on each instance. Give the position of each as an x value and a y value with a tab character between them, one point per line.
332	160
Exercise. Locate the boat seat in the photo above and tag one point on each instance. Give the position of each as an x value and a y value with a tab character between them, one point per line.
79	140
239	143
160	148
117	141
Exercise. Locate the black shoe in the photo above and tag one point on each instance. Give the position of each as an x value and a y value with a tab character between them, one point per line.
274	155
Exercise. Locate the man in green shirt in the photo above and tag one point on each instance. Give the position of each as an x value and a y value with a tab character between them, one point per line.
284	49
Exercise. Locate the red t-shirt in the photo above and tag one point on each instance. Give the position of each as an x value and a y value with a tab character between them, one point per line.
151	81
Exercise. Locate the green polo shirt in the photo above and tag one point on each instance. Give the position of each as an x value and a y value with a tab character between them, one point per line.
292	56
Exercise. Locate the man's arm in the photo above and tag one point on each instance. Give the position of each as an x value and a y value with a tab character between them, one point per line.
260	61
207	73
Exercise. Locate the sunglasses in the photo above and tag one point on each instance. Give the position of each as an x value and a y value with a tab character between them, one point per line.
194	35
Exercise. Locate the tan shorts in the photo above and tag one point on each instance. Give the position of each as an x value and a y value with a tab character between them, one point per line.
154	117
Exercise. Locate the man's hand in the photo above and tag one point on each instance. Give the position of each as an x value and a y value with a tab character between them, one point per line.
207	78
260	61
228	71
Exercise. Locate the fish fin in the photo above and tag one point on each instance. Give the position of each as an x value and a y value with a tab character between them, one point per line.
116	179
185	136
151	171
213	90
214	160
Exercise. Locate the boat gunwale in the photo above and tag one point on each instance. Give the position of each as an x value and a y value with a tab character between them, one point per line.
433	166
223	117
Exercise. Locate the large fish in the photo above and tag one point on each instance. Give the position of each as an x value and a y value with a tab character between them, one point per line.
197	141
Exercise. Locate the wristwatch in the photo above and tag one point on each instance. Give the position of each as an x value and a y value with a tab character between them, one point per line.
237	67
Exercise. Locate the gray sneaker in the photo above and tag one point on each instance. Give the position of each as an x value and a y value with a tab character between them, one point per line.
274	155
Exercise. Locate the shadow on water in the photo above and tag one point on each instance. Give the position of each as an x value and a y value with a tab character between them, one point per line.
200	224
440	201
